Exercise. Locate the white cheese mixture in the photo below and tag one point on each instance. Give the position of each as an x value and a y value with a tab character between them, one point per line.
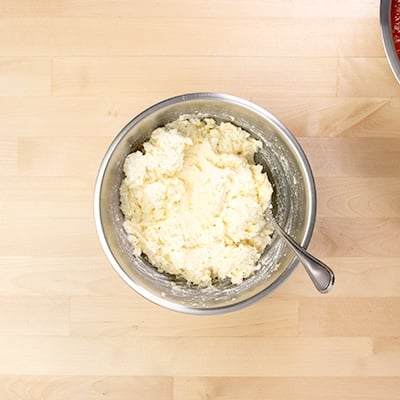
194	201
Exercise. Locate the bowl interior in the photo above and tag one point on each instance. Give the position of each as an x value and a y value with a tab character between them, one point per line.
293	204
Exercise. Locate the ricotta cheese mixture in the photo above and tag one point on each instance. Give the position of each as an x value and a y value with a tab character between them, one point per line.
194	201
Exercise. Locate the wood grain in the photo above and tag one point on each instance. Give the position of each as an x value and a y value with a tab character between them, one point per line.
189	356
52	276
344	317
359	157
358	197
92	276
47	116
358	77
25	76
198	8
104	116
127	316
157	36
91	387
317	117
62	156
72	74
352	237
364	277
54	196
223	388
51	237
8	155
94	76
304	116
35	316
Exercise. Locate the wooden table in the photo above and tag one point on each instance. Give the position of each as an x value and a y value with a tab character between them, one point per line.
72	73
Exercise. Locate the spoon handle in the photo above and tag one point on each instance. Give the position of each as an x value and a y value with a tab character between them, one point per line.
321	275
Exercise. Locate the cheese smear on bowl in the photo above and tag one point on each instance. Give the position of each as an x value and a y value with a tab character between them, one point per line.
194	201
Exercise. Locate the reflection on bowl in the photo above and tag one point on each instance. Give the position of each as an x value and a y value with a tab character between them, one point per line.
294	204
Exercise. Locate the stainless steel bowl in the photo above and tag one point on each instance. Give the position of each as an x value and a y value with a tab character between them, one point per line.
387	36
294	204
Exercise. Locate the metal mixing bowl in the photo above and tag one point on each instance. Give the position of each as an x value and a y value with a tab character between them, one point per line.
387	37
294	204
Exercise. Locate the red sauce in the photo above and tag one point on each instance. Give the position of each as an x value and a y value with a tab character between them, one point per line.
395	17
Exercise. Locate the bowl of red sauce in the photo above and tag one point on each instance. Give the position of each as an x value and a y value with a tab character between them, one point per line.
390	25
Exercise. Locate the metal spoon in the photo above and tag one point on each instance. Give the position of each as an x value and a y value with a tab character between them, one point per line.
321	275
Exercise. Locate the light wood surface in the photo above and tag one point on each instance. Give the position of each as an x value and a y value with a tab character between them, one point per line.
72	73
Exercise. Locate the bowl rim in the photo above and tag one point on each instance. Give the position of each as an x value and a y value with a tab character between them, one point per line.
385	19
159	300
